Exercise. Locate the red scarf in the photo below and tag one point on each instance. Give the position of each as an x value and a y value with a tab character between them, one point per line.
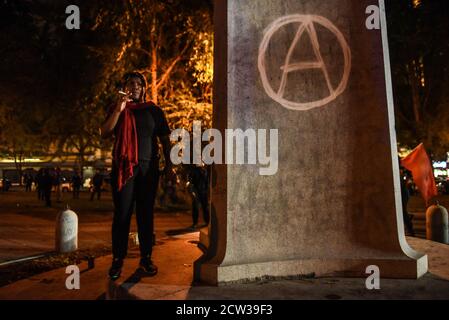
126	147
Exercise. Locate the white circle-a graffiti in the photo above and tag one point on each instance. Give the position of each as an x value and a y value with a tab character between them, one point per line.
306	25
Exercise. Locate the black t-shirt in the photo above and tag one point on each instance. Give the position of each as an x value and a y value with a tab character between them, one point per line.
150	124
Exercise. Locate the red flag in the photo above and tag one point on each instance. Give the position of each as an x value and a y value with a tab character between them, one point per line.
419	164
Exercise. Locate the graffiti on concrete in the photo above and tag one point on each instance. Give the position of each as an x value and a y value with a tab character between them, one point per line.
306	25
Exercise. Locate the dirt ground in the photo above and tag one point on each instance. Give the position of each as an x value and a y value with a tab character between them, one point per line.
27	228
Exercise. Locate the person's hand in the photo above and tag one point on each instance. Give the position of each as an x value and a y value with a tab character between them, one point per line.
122	101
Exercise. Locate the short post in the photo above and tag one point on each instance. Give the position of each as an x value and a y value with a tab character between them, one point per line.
66	231
437	224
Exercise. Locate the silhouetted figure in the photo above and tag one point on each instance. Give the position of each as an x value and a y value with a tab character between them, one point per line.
97	183
168	188
57	180
446	187
28	182
405	198
39	186
6	184
198	185
46	185
76	185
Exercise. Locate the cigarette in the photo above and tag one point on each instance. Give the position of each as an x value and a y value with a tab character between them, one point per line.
122	93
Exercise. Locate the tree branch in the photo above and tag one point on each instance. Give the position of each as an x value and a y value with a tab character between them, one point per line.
143	51
167	72
159	37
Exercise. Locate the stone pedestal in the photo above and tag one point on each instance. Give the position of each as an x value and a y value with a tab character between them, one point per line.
312	70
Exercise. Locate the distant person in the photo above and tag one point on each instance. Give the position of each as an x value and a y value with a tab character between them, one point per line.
28	182
168	186
47	185
39	185
57	181
198	186
411	187
446	187
97	184
76	184
6	184
405	195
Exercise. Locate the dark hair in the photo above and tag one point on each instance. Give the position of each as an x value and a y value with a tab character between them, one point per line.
141	77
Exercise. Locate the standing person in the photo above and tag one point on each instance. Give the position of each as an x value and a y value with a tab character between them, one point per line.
76	184
39	186
57	183
446	187
46	185
198	185
405	195
6	184
136	124
97	183
168	187
28	182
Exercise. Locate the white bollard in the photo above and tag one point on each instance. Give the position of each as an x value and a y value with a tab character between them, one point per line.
66	231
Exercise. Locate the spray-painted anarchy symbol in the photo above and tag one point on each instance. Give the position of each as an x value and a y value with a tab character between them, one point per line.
306	24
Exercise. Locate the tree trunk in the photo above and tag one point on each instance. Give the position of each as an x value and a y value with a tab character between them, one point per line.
18	165
154	46
81	164
154	74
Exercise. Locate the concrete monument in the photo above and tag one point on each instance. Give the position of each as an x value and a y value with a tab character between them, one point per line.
313	70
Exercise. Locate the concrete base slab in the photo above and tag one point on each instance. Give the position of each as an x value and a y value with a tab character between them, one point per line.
395	269
433	285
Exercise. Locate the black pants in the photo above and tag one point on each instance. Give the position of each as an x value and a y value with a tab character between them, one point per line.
40	193
200	199
76	192
47	197
139	191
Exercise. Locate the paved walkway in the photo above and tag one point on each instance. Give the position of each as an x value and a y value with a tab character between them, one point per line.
174	256
27	228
